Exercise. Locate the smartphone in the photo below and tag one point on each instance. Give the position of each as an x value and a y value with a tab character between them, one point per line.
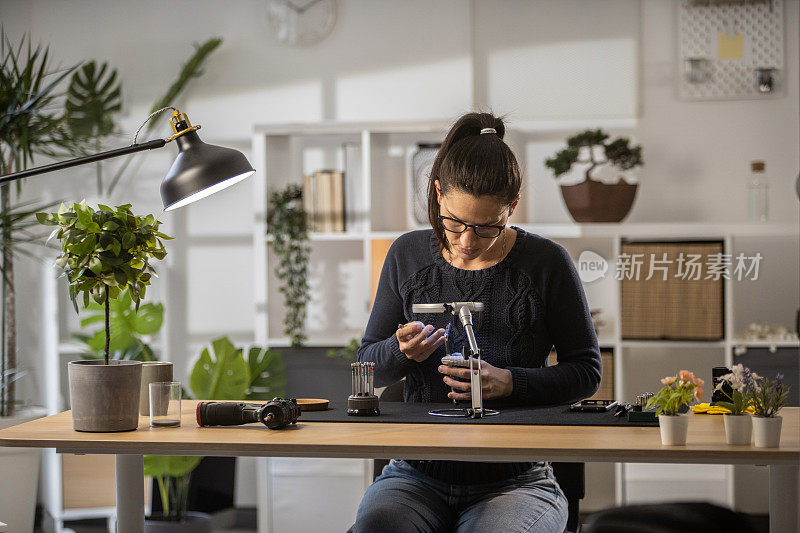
593	406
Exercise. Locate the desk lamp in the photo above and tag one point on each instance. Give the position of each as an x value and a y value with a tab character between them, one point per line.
199	170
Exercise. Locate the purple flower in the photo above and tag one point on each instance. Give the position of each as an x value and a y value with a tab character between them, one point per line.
747	380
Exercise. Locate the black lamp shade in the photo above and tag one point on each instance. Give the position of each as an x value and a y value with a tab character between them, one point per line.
200	170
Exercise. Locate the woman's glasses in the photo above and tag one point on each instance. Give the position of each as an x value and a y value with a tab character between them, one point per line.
456	226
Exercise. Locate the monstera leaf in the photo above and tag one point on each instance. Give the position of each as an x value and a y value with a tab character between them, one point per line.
127	326
223	376
267	374
93	97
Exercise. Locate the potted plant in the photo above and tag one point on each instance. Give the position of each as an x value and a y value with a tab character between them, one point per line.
768	396
593	200
673	402
287	230
223	373
737	386
105	253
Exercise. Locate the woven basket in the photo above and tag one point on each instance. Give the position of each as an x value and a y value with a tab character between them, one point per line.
667	306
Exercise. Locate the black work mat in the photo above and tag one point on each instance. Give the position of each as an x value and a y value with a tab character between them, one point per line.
417	413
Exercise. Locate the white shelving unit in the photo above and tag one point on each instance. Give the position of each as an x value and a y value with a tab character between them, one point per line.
377	181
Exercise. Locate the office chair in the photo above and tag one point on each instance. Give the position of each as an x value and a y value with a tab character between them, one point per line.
570	476
686	517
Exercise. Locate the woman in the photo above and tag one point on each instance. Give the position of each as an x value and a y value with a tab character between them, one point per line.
533	300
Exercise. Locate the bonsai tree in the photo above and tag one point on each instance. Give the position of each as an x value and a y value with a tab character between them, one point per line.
618	152
105	253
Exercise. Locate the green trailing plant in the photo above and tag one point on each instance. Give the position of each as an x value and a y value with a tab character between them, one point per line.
583	147
222	373
31	122
190	70
129	328
105	253
287	229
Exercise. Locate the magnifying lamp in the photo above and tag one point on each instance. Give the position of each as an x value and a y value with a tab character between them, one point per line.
471	358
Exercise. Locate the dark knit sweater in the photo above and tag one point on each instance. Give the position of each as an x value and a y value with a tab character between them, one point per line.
533	301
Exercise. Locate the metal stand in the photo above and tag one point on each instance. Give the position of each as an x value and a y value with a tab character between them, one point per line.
471	353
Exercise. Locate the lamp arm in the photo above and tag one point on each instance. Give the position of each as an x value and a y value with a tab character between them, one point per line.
149	145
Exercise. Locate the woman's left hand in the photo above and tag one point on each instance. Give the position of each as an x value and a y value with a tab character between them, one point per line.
495	382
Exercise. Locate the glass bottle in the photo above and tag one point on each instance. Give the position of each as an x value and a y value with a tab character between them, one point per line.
758	193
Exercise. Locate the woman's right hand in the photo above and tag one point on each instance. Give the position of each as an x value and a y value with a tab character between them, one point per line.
418	341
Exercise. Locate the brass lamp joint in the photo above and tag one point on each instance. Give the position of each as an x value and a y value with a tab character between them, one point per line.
180	125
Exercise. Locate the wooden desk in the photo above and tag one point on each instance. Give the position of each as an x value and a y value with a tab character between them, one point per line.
706	445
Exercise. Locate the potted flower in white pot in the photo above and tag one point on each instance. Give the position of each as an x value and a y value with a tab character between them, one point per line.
737	386
673	403
595	199
768	397
105	253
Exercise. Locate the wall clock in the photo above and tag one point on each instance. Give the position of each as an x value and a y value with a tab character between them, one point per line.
301	22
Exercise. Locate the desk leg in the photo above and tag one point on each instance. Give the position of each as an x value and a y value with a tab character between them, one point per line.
784	513
130	493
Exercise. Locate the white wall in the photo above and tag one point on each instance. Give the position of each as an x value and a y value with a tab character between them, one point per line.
403	60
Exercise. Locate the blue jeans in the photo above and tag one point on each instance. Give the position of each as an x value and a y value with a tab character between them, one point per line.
404	500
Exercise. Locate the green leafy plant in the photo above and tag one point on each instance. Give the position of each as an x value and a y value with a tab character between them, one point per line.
677	393
128	325
581	149
31	122
219	374
347	352
94	97
105	252
224	374
769	396
172	473
287	230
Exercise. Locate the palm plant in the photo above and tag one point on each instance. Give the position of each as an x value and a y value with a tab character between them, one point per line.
31	122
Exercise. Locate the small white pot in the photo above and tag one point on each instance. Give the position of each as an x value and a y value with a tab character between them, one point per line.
673	429
738	429
767	431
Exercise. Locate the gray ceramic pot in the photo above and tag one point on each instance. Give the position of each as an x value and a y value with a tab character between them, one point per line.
194	523
152	371
104	397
